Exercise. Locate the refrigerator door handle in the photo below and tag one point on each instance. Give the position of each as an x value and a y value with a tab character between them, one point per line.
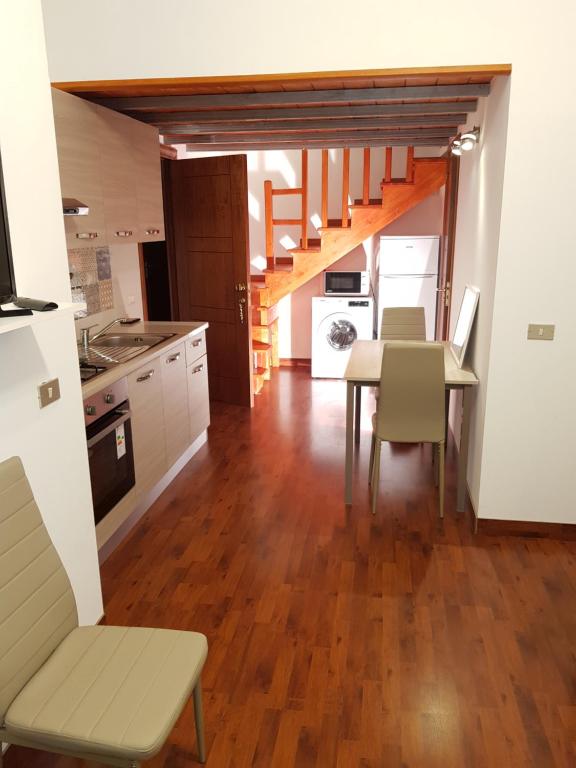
395	277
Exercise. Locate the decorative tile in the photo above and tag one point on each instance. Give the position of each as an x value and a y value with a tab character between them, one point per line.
106	295
91	278
103	264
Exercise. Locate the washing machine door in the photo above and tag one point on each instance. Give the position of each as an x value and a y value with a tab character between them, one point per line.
341	334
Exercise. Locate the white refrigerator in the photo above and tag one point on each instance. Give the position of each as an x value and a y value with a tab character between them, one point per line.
408	276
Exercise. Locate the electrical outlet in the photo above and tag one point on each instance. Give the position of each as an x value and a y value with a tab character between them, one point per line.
48	392
541	332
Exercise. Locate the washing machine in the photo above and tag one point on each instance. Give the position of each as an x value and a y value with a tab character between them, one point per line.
336	324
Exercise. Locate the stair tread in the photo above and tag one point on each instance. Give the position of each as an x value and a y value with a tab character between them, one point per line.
373	201
257	278
305	250
260	346
334	223
312	242
260	371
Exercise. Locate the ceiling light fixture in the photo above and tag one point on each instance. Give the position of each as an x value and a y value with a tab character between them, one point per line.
464	142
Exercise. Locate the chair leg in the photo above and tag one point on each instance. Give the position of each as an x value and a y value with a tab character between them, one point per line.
436	451
441	477
371	462
376	475
199	721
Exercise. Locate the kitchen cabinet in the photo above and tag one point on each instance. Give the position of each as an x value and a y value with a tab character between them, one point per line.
80	168
175	400
119	174
112	163
148	433
198	402
150	208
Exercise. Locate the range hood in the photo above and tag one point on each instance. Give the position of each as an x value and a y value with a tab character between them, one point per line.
73	207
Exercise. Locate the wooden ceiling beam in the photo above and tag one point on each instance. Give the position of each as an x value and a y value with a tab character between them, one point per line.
313	125
332	96
310	113
366	136
320	143
151	86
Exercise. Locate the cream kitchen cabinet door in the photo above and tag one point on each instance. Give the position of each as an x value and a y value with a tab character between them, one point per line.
175	397
119	176
198	402
76	123
146	156
148	434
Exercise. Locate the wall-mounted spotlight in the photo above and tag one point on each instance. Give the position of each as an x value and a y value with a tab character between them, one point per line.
464	142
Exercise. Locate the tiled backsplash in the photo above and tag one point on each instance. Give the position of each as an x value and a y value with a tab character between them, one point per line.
91	279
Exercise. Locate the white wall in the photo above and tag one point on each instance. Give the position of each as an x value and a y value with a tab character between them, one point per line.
527	462
476	255
51	442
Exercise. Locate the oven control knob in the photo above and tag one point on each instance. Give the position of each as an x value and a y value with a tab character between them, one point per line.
109	398
90	410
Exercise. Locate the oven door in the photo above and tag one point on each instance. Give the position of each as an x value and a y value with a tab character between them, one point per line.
111	459
343	283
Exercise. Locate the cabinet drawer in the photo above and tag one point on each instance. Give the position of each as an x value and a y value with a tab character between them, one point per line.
175	398
145	394
195	347
198	403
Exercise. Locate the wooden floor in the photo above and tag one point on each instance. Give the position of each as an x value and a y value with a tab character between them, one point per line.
337	638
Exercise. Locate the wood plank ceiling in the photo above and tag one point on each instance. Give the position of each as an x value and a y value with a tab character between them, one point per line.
368	108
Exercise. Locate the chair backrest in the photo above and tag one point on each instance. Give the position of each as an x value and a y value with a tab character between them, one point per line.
411	401
403	324
37	605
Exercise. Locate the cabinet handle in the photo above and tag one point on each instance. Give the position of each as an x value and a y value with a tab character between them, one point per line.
146	376
87	235
124	233
197	343
198	368
152	231
173	358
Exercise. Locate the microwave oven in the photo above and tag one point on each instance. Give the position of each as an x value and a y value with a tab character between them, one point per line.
346	284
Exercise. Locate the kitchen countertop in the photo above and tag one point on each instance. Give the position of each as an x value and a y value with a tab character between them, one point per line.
180	331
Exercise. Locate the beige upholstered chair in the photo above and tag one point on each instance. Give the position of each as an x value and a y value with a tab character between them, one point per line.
411	404
403	324
108	694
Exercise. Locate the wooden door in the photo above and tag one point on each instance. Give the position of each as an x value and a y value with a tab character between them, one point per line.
209	223
447	245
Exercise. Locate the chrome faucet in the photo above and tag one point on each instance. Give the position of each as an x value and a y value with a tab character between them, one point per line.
107	327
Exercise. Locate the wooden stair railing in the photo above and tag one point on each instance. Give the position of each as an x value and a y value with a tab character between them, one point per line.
358	221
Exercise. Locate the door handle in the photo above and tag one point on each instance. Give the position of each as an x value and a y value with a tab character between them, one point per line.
241	303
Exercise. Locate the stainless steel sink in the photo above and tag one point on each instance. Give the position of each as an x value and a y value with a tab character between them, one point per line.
128	340
120	347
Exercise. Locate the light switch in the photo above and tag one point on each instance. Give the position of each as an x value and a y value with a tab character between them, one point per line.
48	392
540	332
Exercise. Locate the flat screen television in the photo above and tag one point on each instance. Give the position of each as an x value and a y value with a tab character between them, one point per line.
7	285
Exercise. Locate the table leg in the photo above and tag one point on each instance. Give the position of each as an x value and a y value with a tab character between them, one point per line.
349	441
463	450
357	413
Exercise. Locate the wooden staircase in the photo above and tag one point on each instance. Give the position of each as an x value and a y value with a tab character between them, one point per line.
366	217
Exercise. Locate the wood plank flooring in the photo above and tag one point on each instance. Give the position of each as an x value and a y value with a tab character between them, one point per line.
338	639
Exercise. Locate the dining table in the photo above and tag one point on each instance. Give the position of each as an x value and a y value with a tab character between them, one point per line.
363	370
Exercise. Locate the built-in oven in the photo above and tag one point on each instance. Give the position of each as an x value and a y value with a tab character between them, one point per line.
110	454
346	283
